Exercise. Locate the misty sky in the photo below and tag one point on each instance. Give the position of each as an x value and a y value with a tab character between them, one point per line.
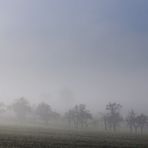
75	51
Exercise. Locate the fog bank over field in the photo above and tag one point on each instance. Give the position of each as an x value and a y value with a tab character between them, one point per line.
72	52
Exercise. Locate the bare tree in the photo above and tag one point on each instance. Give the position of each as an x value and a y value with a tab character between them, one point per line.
78	116
131	120
141	121
136	121
113	118
84	115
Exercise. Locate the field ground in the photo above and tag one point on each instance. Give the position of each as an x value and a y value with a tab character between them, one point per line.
18	137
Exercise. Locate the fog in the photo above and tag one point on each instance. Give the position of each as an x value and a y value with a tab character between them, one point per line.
75	52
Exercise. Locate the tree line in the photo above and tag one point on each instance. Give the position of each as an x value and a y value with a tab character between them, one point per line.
78	117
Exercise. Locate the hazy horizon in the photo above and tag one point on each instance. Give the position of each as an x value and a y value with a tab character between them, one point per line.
75	51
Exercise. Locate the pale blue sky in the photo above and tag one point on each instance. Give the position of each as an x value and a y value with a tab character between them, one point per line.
97	49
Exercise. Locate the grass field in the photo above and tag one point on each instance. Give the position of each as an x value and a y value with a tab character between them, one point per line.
18	137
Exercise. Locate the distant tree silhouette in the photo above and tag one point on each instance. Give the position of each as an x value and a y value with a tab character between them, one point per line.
78	116
131	120
43	111
55	115
70	116
136	121
106	119
84	115
113	118
21	108
141	121
2	107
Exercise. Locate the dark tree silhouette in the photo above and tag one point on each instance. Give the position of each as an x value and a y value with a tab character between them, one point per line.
21	108
84	115
141	121
113	118
136	121
131	120
78	116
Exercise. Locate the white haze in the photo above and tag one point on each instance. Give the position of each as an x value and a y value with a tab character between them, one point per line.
66	55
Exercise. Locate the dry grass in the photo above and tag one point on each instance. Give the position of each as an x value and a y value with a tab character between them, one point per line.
14	137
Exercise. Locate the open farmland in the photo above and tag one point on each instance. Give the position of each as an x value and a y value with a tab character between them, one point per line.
14	137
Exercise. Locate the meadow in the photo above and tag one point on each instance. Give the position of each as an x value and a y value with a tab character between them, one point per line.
39	137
